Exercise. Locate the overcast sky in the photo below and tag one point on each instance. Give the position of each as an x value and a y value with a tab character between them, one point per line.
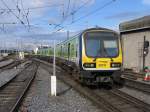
40	21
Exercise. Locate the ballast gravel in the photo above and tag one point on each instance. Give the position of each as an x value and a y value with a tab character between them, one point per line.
39	98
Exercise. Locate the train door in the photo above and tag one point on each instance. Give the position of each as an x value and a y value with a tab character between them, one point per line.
61	51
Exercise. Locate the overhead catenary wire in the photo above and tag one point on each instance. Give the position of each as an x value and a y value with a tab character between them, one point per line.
75	11
76	20
68	7
65	15
21	11
26	14
2	12
94	11
73	7
88	14
83	5
12	12
24	11
82	17
71	14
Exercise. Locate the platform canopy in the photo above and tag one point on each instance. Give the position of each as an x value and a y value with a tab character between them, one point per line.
137	24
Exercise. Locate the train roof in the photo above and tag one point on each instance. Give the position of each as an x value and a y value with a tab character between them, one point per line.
99	28
81	32
136	24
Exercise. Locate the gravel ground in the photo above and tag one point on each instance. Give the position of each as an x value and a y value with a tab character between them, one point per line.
1	58
137	94
7	75
39	99
4	63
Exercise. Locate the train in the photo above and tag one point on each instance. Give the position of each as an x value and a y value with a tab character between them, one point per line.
95	54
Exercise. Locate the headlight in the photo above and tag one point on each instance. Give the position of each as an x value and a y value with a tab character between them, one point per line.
89	65
115	65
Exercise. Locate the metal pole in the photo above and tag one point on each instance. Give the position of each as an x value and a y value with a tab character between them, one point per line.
67	35
0	49
54	61
4	47
143	53
53	77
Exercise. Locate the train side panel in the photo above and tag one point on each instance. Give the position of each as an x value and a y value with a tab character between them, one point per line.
69	51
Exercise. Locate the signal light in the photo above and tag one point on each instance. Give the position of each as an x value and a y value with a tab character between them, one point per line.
146	48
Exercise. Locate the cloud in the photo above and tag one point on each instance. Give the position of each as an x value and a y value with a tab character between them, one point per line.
48	14
128	15
39	18
51	7
123	15
146	2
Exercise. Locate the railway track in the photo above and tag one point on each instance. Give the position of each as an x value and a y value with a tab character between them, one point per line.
122	101
140	86
11	65
12	93
109	100
3	59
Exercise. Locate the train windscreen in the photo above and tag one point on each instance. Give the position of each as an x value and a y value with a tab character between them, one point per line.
101	44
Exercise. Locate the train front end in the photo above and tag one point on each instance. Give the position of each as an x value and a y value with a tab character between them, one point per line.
101	56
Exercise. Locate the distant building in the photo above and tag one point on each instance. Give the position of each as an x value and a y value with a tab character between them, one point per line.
132	35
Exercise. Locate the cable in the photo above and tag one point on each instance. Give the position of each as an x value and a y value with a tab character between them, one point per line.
67	11
71	14
75	11
17	6
73	7
2	12
84	4
26	14
12	12
93	12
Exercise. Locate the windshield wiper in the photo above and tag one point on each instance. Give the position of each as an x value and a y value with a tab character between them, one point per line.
104	50
98	51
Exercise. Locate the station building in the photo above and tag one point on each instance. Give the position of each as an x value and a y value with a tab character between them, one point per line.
132	37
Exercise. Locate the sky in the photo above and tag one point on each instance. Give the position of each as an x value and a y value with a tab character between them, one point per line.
26	23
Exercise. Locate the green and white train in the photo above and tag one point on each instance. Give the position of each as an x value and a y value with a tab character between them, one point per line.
95	54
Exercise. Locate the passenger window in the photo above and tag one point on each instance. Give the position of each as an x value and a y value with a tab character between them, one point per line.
76	50
61	51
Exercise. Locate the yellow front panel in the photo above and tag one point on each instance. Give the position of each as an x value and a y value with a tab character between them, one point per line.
101	63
